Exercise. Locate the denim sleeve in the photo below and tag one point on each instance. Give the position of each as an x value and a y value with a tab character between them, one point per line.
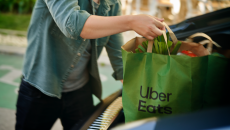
68	16
113	49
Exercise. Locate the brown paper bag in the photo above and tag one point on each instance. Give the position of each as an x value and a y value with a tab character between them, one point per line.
197	49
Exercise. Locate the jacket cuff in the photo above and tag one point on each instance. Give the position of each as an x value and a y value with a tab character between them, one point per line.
118	74
76	23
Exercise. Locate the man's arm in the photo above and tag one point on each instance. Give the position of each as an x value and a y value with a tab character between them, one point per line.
68	16
76	23
113	48
99	26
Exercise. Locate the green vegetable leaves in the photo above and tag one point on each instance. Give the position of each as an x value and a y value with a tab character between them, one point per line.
137	50
142	48
176	48
159	46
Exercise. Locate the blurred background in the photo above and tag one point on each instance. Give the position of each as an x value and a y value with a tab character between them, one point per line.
14	20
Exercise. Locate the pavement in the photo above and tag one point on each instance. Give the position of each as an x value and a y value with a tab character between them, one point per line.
11	62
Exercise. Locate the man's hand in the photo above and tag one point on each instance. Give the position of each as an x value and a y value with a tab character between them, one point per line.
147	26
100	26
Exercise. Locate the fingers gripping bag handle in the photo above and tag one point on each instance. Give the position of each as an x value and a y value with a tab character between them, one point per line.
172	35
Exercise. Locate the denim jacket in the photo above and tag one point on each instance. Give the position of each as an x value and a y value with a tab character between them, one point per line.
55	45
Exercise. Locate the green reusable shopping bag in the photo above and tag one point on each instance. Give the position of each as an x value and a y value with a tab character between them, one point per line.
158	85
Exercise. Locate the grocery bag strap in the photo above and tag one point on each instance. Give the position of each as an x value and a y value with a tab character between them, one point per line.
166	41
210	42
172	35
150	46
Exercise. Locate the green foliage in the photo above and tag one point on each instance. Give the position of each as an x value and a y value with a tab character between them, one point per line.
142	48
137	50
176	48
14	21
17	6
160	46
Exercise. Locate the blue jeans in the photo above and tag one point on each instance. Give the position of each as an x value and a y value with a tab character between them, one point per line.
37	111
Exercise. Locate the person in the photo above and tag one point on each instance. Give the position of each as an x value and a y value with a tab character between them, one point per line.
60	73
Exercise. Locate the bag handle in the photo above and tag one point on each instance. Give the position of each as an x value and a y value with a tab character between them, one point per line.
150	46
210	42
166	41
190	39
172	35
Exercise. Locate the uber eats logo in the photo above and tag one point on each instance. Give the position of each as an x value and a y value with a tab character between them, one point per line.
154	95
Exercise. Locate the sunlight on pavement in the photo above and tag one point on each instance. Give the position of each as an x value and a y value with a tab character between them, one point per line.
11	75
